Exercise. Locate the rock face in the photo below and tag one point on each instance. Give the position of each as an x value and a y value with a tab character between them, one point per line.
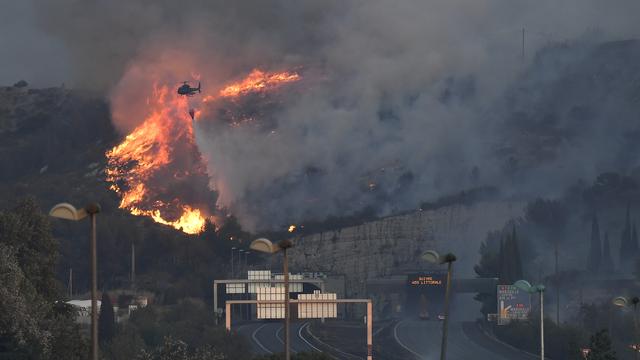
393	245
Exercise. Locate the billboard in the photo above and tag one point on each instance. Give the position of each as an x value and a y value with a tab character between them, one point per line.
270	311
294	287
235	288
318	310
258	275
513	304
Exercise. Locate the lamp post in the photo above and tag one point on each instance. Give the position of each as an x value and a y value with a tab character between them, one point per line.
631	302
232	250
247	307
524	285
266	246
435	258
69	212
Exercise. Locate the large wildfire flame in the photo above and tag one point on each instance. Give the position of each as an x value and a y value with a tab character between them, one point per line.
150	165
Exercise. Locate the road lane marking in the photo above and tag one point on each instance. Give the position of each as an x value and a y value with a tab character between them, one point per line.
395	335
278	336
255	339
305	340
348	355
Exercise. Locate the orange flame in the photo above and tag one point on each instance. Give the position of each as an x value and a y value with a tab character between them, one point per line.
257	80
150	150
145	151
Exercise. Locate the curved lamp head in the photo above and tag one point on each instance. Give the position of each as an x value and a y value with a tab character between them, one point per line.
620	301
264	245
68	212
524	285
433	257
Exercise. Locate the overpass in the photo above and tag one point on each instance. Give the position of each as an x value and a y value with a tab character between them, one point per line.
401	295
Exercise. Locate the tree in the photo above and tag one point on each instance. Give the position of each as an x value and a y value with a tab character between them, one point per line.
607	260
600	345
27	230
489	267
125	345
551	217
21	310
634	241
66	342
595	255
106	320
627	248
175	349
510	260
516	256
33	323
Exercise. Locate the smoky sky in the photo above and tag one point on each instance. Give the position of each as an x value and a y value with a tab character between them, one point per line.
28	51
393	105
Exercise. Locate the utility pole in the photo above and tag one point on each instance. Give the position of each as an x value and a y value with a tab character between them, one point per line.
557	286
70	283
522	44
93	209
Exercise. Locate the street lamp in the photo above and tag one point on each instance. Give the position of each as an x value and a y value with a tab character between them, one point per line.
266	246
435	258
524	285
69	212
622	301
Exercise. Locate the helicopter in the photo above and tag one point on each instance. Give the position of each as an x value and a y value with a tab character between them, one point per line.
187	90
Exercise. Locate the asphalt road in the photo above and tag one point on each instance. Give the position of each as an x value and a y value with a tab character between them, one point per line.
268	337
423	338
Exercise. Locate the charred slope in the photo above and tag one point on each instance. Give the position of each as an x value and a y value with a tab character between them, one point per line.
573	114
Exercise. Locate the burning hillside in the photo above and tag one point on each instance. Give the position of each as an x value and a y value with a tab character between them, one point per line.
158	171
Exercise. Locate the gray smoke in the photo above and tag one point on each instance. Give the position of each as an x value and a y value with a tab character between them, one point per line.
394	105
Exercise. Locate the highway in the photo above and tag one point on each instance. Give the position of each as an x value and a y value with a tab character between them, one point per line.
415	338
268	337
422	338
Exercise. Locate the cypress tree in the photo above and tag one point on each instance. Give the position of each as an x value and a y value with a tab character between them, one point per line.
502	265
517	260
106	319
607	261
625	240
634	242
595	255
510	260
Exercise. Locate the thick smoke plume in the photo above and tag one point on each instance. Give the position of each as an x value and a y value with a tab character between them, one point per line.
392	108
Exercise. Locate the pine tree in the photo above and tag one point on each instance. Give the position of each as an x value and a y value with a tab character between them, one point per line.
106	320
607	260
517	259
510	260
502	271
625	240
634	242
594	259
600	346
